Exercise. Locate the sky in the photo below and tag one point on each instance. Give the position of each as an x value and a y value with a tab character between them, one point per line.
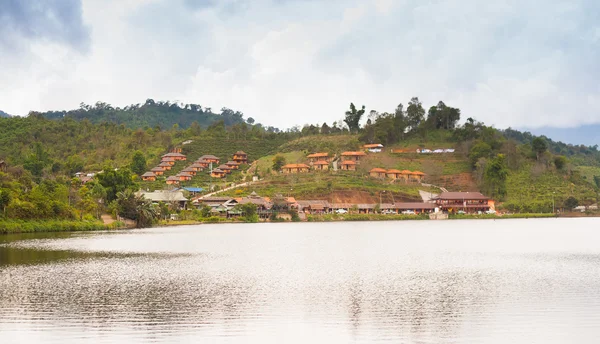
517	63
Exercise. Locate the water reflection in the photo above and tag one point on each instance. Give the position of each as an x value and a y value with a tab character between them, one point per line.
309	283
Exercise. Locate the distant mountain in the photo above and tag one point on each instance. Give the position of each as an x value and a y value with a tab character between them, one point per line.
4	114
588	135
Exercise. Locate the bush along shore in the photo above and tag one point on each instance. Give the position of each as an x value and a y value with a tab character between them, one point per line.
22	226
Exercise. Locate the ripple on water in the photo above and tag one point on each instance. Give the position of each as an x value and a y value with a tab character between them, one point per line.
340	283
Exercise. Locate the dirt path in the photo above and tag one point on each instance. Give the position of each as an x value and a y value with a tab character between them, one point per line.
107	219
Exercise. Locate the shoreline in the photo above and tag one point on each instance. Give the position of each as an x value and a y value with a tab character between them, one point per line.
65	226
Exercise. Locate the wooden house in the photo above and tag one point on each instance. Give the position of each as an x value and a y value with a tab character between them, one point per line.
177	156
233	164
159	171
228	169
354	156
321	165
166	165
169	160
149	177
184	176
319	157
172	180
189	170
196	167
394	174
295	168
210	158
377	172
202	163
348	165
416	176
469	202
218	173
240	157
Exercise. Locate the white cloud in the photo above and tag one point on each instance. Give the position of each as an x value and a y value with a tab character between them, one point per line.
512	63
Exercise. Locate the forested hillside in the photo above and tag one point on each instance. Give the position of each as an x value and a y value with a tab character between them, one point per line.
163	114
4	114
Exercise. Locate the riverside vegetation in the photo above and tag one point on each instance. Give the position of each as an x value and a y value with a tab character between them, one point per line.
41	153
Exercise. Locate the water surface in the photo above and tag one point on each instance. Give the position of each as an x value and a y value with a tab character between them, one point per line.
476	281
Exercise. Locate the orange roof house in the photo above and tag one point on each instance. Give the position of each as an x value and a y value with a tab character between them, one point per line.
189	170
175	155
319	157
233	164
149	177
197	167
295	168
226	168
166	165
209	158
183	176
394	174
377	172
218	173
159	171
355	156
348	165
168	159
321	165
172	180
240	157
416	176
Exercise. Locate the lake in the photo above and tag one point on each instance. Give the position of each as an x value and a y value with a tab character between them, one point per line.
467	281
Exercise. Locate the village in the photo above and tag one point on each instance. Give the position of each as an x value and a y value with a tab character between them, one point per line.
280	207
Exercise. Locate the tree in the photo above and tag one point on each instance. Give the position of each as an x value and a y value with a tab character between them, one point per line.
496	173
414	113
5	199
136	208
353	117
278	162
250	120
138	163
249	210
115	181
571	203
560	162
539	146
325	129
478	151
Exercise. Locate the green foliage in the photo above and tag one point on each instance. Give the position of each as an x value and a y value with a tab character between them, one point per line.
250	212
560	162
115	181
571	203
278	162
597	181
20	226
496	173
539	146
138	163
478	151
152	114
353	117
136	208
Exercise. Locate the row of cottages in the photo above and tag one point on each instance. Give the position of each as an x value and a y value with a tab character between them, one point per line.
224	206
318	207
469	202
166	163
406	175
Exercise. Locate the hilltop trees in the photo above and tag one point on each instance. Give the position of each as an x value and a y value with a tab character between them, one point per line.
353	117
539	146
